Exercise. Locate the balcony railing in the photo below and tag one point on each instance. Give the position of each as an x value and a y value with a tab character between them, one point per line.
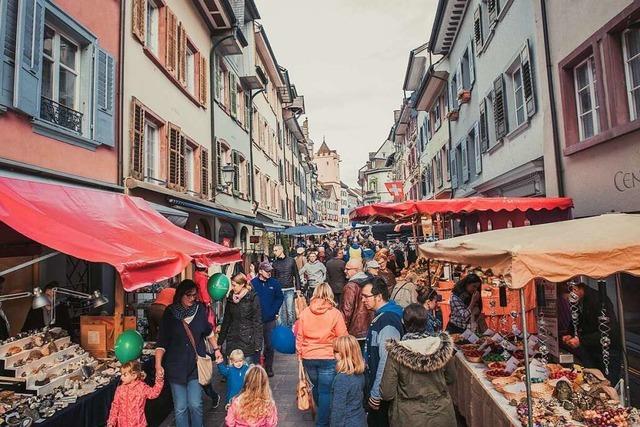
60	115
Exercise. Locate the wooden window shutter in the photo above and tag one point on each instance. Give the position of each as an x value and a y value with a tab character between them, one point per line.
175	144
454	168
472	66
233	93
218	70
476	147
236	170
492	7
137	140
204	172
172	42
499	107
465	160
202	77
249	178
182	171
477	28
218	164
459	81
484	129
527	79
138	19
182	54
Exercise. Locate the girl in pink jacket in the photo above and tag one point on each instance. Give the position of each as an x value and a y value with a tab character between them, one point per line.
254	406
127	409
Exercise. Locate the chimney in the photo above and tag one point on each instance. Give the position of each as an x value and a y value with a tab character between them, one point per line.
238	10
305	128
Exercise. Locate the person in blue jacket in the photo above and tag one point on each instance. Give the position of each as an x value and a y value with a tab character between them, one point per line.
386	325
234	372
269	292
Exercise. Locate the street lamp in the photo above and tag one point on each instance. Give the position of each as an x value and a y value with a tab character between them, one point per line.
228	174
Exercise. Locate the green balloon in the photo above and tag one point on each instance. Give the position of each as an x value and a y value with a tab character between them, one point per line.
129	346
218	286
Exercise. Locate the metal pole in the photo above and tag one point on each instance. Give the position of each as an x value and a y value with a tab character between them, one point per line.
28	263
623	340
527	370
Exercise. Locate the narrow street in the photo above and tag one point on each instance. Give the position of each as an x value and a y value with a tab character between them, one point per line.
283	385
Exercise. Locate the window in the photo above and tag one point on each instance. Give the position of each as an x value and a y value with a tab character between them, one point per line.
436	115
632	60
190	70
453	91
60	78
151	36
151	152
189	168
586	98
518	94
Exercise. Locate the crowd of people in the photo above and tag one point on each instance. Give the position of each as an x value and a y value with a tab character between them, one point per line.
373	349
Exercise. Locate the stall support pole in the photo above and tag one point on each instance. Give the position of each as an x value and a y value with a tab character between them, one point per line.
118	311
623	340
527	368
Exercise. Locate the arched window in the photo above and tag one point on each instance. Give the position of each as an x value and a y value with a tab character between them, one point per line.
489	225
509	224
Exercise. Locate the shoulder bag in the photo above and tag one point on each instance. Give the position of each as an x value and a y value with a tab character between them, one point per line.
300	303
303	392
204	364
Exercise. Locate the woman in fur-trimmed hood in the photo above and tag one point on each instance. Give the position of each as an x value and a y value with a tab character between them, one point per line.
417	373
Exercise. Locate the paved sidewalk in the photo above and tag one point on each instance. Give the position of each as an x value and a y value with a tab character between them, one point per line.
283	385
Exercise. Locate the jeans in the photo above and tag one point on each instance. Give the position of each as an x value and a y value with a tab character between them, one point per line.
187	403
267	351
321	373
287	311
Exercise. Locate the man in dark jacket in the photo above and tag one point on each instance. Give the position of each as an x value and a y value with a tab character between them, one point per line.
285	271
386	325
336	276
270	294
356	315
38	318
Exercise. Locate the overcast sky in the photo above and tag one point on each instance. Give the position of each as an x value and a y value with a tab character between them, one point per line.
348	59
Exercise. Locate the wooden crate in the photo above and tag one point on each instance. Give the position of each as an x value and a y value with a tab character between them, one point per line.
97	333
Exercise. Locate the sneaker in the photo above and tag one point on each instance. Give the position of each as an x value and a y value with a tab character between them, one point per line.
270	373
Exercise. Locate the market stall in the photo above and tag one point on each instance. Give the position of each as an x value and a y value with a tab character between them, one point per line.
45	374
595	247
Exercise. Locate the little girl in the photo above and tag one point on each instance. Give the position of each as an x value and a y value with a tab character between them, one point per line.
234	372
348	386
127	409
254	406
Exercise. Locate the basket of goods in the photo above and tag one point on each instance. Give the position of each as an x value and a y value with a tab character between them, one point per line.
518	354
563	373
494	357
618	417
518	390
469	347
473	356
545	413
493	374
496	365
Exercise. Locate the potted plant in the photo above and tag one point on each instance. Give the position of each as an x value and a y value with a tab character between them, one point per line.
453	115
464	96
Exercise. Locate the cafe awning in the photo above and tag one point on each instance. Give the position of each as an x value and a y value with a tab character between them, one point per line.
596	247
112	228
403	210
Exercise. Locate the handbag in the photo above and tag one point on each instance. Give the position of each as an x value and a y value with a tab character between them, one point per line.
204	364
303	392
300	303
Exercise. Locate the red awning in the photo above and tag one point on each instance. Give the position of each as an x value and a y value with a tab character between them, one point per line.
99	226
402	210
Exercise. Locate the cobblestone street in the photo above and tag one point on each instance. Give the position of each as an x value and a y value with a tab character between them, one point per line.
283	385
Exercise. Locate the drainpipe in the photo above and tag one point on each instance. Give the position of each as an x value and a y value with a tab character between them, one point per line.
253	187
448	160
557	152
212	102
119	121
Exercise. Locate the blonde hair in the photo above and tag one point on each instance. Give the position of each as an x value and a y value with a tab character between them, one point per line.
255	400
323	291
242	279
351	361
381	256
135	368
236	355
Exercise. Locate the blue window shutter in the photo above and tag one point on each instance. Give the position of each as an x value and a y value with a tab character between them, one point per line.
453	169
26	96
465	160
477	148
104	77
8	26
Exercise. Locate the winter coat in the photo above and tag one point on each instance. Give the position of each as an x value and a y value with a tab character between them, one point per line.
127	408
415	379
235	378
285	271
405	294
236	419
335	275
356	315
242	325
313	273
318	327
270	294
347	409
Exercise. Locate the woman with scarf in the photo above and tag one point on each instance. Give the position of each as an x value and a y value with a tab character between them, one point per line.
242	323
417	374
183	329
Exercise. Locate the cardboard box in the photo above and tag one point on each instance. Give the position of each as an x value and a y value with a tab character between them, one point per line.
97	333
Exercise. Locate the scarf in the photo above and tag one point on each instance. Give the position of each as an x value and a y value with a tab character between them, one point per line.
237	297
181	312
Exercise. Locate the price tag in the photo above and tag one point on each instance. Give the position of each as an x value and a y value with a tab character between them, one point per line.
487	351
510	347
506	355
466	334
517	332
473	338
533	340
497	338
538	370
488	333
512	364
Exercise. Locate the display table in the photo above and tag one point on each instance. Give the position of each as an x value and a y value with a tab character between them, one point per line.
476	399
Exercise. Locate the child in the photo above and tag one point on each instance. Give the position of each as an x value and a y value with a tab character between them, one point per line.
127	409
234	373
348	386
254	406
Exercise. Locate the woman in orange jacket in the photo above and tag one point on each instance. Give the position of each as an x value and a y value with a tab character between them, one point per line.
318	327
